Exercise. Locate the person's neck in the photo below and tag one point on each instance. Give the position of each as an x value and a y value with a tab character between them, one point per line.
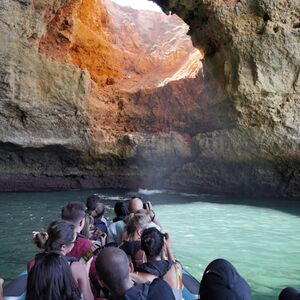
77	229
133	237
121	290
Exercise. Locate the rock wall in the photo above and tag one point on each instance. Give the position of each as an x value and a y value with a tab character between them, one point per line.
252	53
83	105
69	109
42	102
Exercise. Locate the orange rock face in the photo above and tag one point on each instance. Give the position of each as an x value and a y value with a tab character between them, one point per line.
126	51
77	35
119	45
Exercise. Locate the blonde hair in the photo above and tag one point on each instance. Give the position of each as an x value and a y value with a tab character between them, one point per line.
40	238
135	222
89	220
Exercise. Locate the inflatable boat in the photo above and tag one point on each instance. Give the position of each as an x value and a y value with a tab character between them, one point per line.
16	289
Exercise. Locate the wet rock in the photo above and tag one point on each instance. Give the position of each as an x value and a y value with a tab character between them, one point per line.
252	52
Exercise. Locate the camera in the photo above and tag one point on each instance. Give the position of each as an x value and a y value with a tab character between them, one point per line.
147	205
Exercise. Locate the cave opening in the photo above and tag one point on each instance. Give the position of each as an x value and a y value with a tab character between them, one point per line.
140	58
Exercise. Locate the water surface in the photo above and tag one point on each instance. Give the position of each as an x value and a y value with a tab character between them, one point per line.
261	238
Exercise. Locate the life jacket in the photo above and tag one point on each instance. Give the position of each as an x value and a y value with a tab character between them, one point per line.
157	289
158	268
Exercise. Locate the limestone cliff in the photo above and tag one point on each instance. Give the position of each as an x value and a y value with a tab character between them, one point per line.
89	98
253	53
70	92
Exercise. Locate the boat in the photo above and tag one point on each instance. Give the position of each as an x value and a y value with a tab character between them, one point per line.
16	289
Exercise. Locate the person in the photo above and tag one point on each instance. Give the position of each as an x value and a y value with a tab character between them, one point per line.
53	276
154	244
221	281
113	270
289	293
136	205
121	211
92	202
74	212
131	245
1	288
100	222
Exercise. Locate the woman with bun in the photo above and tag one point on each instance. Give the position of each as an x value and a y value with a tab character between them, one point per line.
53	276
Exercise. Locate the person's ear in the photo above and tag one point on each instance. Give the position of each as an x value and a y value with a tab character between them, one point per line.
139	232
131	267
101	283
64	249
81	224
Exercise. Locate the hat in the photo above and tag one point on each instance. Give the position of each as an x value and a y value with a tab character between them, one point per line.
289	294
221	281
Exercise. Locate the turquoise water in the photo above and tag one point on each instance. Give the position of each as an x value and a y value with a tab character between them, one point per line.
260	238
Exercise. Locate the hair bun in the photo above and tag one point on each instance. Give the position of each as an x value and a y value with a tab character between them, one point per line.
40	238
46	235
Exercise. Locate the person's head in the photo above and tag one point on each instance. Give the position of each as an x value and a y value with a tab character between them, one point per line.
91	202
135	224
113	269
99	210
51	279
135	204
121	209
59	237
74	212
221	281
152	242
289	293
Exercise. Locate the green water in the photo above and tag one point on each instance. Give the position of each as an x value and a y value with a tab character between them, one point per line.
260	238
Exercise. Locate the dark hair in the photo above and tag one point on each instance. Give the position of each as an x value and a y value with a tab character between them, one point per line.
289	293
152	241
73	212
59	232
91	202
51	279
112	267
121	209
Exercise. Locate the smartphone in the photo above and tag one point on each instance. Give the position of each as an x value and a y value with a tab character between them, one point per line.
146	205
88	255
